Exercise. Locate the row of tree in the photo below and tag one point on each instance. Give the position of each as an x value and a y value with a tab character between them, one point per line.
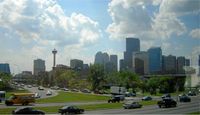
128	79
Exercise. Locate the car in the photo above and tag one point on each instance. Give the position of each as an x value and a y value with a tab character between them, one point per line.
146	98
27	110
192	93
40	88
74	90
86	91
129	94
70	110
167	102
184	98
65	89
55	88
29	86
132	105
114	99
166	96
49	93
37	95
34	85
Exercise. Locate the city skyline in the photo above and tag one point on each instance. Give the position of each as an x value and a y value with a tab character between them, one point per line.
78	30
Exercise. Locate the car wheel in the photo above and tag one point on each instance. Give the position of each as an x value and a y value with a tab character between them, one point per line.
174	105
9	103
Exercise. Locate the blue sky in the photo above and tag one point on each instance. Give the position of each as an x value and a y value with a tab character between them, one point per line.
30	29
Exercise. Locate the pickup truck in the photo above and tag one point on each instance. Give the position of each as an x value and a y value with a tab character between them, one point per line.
167	102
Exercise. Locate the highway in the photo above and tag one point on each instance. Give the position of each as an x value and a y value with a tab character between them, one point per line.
42	93
182	108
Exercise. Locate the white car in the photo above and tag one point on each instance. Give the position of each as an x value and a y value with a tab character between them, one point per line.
49	92
29	86
37	95
65	89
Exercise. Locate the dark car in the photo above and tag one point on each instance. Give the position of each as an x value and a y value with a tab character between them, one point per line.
86	91
114	99
130	94
192	93
27	110
70	110
132	105
167	102
184	98
166	96
147	98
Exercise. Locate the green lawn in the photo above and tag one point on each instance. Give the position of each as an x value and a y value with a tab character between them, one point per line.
195	113
72	97
54	109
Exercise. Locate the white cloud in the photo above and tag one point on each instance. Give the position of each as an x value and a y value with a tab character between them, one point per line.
45	19
40	26
131	18
195	33
180	7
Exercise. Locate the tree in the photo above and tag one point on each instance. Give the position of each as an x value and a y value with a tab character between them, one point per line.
153	84
129	79
66	78
5	79
113	78
96	76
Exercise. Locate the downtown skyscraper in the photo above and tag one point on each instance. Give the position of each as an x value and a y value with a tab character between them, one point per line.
132	46
155	60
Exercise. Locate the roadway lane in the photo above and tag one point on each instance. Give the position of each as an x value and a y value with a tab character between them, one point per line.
42	93
182	108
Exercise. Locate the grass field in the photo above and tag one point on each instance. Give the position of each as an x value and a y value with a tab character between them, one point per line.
72	97
195	113
54	109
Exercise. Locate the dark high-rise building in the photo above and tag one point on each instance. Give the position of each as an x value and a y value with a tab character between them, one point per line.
132	45
5	68
122	65
180	65
187	62
76	64
169	64
155	60
38	66
139	66
141	62
113	60
199	61
101	58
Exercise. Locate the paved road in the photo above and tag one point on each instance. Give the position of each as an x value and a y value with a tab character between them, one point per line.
42	93
182	108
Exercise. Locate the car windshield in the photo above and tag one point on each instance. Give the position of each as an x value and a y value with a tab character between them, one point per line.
74	107
11	97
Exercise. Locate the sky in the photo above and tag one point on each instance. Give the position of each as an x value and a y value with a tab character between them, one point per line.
78	29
